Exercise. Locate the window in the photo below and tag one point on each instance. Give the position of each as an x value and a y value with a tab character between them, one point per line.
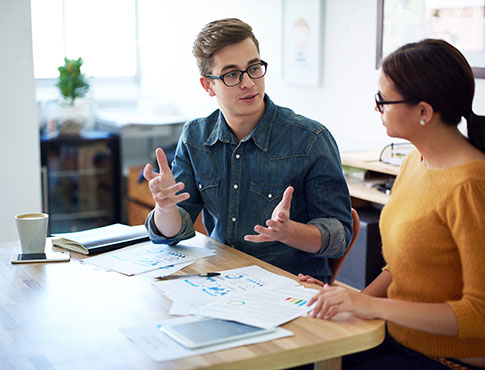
102	32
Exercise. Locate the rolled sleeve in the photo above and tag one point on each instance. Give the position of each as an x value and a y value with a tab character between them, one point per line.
333	237
187	230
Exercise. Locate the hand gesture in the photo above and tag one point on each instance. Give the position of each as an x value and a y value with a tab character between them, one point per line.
278	226
162	185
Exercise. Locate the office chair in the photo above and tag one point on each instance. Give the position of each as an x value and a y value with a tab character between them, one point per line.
336	263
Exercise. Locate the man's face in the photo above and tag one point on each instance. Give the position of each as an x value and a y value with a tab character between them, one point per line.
244	100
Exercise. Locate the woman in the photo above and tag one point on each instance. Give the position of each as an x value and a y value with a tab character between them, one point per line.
432	291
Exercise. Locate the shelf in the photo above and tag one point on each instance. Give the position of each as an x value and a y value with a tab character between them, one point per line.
79	172
368	161
80	215
369	194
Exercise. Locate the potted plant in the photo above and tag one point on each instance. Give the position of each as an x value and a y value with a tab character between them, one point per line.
71	82
73	112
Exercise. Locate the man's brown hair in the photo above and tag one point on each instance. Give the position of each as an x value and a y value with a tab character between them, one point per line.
216	35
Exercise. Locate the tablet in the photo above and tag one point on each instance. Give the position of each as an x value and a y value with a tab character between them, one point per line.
205	331
40	257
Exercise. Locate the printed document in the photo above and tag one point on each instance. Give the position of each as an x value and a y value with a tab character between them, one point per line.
160	347
191	293
264	308
147	256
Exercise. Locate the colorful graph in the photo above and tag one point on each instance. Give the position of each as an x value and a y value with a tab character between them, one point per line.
296	301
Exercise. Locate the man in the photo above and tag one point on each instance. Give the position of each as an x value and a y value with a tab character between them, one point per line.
268	181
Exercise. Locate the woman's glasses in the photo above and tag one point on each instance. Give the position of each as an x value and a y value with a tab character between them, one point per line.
380	102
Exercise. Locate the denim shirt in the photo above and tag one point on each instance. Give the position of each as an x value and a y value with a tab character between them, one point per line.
238	185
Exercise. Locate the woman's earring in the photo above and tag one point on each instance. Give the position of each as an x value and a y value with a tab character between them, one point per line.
422	122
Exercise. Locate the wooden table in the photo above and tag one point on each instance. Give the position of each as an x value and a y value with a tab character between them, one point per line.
68	316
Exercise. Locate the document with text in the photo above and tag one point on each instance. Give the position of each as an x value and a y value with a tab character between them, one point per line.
147	256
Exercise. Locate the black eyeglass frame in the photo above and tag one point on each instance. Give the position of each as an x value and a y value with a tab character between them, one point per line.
222	76
380	103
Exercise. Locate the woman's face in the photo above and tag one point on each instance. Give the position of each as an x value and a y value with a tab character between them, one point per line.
400	120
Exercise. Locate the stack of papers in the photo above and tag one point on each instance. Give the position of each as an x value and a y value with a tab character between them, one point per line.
147	257
250	295
160	347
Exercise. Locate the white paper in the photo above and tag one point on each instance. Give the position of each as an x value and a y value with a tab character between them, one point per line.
147	256
190	293
165	270
267	308
160	347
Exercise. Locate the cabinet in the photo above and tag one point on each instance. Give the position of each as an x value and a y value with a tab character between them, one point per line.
364	262
81	180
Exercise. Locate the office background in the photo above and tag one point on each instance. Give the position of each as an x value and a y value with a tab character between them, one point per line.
343	101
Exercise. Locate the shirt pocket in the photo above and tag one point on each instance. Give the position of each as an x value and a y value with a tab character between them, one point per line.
209	191
264	198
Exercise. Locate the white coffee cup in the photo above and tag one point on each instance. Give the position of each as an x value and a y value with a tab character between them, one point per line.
32	229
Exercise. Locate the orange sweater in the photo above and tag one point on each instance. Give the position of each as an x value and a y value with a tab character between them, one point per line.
433	240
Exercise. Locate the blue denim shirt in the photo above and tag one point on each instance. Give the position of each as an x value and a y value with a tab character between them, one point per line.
238	185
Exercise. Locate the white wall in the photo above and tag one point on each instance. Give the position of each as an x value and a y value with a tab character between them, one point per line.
345	101
20	187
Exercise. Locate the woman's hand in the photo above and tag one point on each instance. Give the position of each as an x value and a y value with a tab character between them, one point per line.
332	300
309	279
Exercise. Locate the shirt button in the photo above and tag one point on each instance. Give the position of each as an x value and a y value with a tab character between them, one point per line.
233	219
235	186
270	196
238	156
200	186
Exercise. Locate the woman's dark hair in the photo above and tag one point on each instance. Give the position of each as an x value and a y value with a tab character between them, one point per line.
436	72
216	35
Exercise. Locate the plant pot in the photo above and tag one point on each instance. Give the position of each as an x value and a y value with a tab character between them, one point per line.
71	119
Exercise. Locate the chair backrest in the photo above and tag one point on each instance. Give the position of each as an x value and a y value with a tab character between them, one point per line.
336	263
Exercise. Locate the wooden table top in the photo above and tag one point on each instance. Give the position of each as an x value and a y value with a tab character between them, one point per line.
68	316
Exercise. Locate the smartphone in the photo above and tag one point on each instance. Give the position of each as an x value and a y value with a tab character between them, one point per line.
40	257
206	331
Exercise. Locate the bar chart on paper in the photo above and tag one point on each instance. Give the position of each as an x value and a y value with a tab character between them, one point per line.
264	308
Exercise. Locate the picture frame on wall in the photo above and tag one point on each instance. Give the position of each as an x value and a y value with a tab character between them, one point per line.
302	42
461	23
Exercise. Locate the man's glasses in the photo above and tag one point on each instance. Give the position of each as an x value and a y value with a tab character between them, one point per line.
380	102
234	78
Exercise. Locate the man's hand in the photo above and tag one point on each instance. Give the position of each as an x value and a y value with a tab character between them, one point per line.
164	191
278	226
162	185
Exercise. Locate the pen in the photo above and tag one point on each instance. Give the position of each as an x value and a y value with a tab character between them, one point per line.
207	274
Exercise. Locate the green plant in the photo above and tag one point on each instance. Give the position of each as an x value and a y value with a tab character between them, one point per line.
71	82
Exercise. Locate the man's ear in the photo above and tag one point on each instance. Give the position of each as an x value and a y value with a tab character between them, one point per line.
207	85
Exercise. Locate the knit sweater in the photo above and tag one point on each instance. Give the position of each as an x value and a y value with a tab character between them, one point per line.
433	240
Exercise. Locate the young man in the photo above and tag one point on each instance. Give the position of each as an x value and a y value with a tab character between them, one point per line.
268	181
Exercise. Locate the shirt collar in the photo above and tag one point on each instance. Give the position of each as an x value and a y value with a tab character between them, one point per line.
260	134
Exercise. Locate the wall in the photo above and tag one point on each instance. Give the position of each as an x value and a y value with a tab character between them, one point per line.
20	186
345	100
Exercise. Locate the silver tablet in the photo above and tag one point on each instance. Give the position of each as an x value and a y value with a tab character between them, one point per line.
207	331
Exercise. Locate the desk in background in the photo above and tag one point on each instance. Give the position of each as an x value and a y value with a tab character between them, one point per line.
368	161
68	316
